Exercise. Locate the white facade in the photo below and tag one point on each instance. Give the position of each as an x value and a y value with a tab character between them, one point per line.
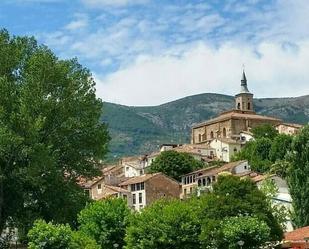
138	195
283	197
243	167
225	149
245	137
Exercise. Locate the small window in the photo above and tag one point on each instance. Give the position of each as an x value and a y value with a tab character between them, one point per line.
185	191
140	198
134	198
142	185
249	106
99	186
191	190
238	106
245	167
199	137
235	149
141	172
199	182
124	197
133	187
211	134
87	192
138	186
127	168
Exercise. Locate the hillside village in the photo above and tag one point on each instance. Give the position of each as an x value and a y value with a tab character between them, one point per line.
212	141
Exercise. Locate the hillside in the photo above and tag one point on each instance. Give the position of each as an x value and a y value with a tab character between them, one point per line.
138	130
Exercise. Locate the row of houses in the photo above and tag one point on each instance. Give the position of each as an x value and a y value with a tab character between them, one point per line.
143	189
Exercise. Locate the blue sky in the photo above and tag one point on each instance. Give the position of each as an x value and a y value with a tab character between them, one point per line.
147	52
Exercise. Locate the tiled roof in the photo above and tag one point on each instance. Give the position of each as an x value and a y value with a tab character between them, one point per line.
297	235
236	114
201	170
291	125
138	179
226	167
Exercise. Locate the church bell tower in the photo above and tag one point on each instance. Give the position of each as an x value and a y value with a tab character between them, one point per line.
244	99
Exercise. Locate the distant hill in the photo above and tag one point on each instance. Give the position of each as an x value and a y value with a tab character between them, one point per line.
139	130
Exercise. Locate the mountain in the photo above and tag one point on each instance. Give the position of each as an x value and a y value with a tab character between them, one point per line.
140	130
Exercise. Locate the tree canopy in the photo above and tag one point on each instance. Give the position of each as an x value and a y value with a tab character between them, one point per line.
298	177
105	221
175	164
264	131
50	132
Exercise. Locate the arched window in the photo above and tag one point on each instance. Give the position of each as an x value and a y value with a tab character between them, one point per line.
224	132
238	106
249	106
211	134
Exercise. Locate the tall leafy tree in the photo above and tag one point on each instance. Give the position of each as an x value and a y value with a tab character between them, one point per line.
264	131
280	146
50	132
175	164
105	221
298	177
234	197
165	224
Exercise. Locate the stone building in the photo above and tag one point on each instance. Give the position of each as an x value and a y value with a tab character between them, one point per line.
148	188
232	123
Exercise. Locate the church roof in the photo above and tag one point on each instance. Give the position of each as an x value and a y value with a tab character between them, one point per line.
237	114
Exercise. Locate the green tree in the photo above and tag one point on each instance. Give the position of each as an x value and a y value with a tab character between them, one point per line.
257	153
81	241
50	133
175	164
165	224
233	197
279	147
46	235
249	230
298	177
105	221
264	131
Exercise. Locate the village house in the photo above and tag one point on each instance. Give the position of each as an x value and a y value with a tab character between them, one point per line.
148	188
282	198
288	128
225	148
134	166
230	124
201	180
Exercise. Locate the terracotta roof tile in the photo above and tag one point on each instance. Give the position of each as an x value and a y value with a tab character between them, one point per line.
298	234
138	179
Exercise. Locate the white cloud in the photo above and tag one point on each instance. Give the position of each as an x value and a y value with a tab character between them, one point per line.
154	80
117	3
77	24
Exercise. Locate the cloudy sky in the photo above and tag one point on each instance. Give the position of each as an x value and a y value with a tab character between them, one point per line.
148	52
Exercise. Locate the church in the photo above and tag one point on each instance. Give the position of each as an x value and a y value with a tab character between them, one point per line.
230	124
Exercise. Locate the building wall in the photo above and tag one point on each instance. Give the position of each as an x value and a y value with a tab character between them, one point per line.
285	129
242	100
161	186
211	131
224	151
139	204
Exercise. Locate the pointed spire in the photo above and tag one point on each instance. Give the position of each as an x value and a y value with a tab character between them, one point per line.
243	85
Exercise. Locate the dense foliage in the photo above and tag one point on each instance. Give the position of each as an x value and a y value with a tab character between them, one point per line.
250	231
50	133
175	164
47	235
298	177
165	224
105	222
266	149
232	197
